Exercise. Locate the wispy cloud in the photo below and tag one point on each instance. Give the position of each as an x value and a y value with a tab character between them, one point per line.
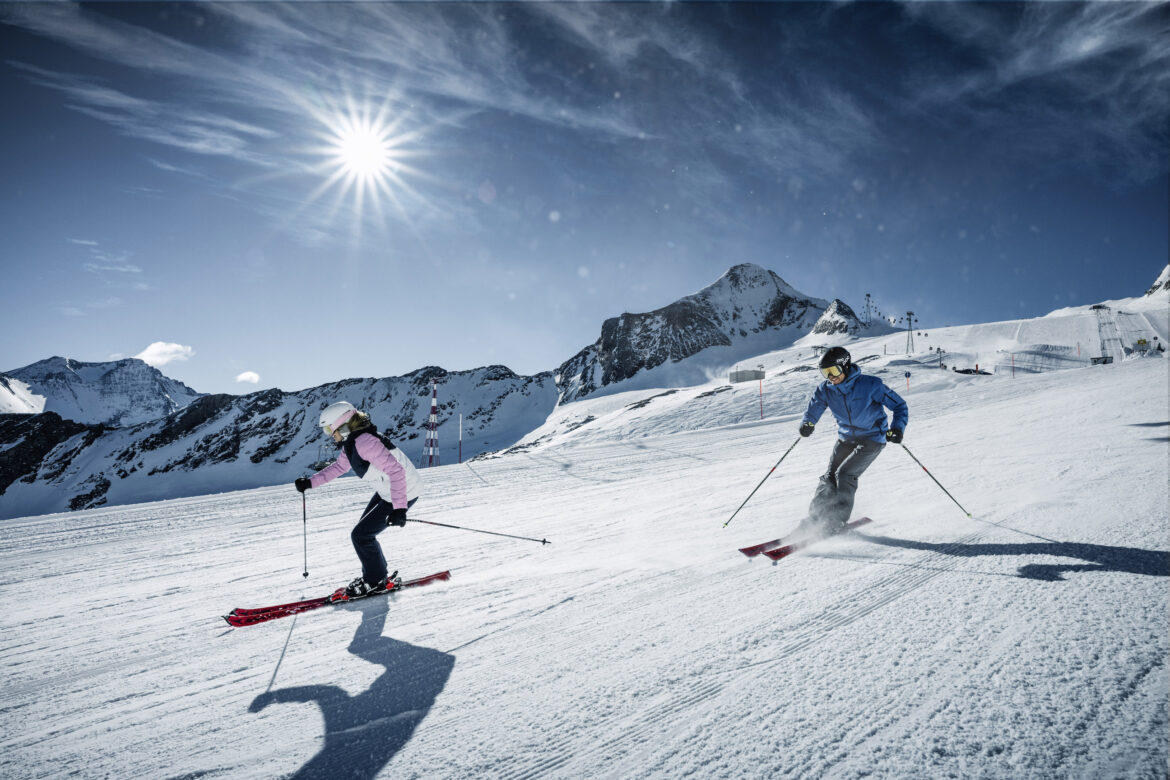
113	270
1044	63
94	304
641	87
158	121
150	193
162	352
449	63
170	167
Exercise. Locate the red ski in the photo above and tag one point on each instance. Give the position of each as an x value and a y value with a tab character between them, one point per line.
756	549
240	617
788	549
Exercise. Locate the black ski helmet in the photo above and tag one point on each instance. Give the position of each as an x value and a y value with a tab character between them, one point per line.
837	356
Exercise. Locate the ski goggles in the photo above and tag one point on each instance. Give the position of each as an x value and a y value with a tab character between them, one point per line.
832	372
338	425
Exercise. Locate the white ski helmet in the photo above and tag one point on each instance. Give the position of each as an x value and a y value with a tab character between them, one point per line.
334	416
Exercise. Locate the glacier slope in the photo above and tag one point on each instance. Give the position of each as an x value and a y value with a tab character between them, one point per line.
1029	640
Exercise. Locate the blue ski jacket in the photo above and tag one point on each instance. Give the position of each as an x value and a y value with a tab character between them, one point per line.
858	403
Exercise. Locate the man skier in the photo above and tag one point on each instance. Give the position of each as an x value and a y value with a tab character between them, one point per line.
859	402
374	458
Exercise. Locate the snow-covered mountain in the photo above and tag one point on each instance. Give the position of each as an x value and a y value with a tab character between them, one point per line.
748	301
839	320
225	442
121	432
120	392
1070	338
1161	285
650	374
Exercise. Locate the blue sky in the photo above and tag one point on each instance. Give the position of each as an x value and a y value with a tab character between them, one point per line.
287	195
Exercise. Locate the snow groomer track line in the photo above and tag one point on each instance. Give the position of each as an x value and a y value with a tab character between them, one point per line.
688	699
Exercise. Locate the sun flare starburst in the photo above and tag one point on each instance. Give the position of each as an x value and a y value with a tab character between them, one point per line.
363	151
363	155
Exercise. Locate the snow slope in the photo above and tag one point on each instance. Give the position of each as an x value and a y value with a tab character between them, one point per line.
1027	641
17	397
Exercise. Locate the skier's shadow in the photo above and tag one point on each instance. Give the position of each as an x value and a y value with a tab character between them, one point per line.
363	732
1096	557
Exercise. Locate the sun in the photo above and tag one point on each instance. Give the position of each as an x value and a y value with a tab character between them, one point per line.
369	156
363	151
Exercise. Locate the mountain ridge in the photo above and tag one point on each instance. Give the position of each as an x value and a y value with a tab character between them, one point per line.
223	442
114	393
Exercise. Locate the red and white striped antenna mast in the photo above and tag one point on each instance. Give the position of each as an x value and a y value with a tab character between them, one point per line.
431	449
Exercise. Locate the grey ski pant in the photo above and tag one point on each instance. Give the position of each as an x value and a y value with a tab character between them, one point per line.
833	502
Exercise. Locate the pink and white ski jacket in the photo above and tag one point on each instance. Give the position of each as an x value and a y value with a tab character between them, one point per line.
392	473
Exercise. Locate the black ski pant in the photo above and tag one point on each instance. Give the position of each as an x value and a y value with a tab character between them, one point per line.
364	536
833	502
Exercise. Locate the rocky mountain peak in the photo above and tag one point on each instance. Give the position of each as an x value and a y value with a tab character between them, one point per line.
112	393
746	301
1161	285
838	319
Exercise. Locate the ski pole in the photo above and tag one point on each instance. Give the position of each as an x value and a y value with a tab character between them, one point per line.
305	520
952	498
762	481
476	530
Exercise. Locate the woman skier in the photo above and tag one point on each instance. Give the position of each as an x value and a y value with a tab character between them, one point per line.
859	402
372	457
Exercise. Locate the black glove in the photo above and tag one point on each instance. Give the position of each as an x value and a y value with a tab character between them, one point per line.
397	517
894	435
806	429
302	484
